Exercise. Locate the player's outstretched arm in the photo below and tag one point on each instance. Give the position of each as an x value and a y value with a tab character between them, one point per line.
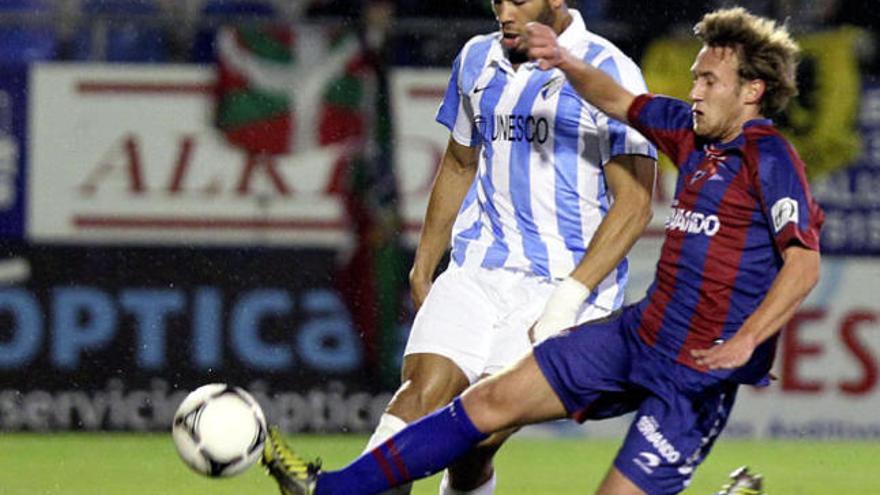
457	170
594	86
631	182
798	276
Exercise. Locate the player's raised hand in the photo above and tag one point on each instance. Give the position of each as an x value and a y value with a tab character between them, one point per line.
728	355
543	46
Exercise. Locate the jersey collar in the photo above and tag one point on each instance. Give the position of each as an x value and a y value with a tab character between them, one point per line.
574	33
740	139
754	122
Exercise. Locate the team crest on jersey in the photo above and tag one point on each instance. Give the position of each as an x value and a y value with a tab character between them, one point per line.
699	174
710	171
784	211
552	87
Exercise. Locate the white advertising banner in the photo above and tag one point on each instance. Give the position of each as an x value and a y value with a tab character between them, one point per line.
129	154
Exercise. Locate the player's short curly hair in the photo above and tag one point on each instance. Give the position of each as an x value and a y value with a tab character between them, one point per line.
766	51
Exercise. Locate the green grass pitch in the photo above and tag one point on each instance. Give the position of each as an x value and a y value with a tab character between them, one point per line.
97	464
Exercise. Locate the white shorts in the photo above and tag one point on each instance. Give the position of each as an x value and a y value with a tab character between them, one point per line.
479	318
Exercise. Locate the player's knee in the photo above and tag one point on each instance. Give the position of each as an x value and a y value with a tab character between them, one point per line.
429	383
490	408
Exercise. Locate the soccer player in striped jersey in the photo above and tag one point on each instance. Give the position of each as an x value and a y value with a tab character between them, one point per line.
538	192
740	255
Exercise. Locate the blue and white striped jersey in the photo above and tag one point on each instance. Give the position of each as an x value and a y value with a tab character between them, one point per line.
540	191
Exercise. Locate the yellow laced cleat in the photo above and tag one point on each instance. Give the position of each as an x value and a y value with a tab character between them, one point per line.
294	475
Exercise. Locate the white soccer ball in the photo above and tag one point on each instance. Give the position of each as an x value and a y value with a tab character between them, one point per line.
219	430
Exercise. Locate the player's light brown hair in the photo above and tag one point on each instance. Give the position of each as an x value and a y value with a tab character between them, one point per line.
766	51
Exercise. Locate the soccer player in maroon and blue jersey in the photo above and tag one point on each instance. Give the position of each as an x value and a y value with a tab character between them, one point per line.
741	253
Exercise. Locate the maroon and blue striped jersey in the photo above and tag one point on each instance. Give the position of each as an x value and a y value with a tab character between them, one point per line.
737	207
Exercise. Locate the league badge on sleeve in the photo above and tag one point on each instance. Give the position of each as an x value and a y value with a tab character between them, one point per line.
784	211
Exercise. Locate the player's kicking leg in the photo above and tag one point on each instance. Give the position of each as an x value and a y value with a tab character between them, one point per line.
429	444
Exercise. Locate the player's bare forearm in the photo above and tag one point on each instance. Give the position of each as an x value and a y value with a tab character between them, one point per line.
798	276
455	176
631	181
592	84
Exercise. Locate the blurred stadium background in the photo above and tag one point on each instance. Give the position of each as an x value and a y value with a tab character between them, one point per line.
230	191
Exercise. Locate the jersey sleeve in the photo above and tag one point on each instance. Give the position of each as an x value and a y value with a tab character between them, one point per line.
623	139
455	113
666	122
793	215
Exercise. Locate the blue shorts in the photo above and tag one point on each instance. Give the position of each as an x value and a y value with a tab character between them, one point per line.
602	370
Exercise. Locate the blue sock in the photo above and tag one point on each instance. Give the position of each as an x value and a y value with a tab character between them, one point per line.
419	450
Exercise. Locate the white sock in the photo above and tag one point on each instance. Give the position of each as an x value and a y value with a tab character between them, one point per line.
487	488
389	424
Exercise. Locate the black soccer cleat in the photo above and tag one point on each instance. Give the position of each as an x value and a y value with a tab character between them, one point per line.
294	475
742	482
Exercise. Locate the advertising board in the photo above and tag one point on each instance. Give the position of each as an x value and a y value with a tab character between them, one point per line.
111	338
